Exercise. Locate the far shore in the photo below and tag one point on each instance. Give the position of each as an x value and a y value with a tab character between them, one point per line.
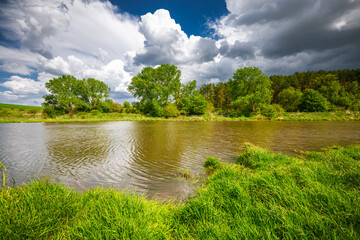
25	117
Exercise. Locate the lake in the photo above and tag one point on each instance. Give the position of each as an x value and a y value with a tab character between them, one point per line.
146	156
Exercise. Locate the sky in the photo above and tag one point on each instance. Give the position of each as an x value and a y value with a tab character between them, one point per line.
206	39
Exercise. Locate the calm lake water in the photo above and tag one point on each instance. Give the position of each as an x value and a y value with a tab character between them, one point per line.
146	156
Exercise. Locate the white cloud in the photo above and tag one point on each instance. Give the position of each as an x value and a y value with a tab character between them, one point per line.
24	86
165	42
92	39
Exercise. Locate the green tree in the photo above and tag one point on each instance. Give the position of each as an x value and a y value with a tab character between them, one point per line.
93	91
312	101
63	93
156	88
191	100
289	99
250	90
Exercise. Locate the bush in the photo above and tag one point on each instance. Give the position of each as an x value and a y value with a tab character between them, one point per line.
269	111
104	107
53	112
312	101
115	107
278	108
171	110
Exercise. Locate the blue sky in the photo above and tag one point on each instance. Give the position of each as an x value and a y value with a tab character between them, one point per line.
192	15
207	40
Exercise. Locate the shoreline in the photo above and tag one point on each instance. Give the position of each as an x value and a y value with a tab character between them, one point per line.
106	117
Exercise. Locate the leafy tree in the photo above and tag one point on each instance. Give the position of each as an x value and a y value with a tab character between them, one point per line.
312	101
208	91
63	93
289	99
155	88
250	90
329	86
191	100
93	91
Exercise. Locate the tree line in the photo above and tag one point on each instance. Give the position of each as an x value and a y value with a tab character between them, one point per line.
304	92
159	93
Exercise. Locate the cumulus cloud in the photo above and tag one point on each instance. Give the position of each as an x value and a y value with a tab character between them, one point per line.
48	38
165	42
81	38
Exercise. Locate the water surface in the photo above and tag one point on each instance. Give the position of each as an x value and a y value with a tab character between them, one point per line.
146	156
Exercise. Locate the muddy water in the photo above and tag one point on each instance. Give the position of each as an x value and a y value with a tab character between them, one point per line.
146	156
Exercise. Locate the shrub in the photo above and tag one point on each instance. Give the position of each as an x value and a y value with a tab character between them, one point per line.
115	107
53	112
269	111
312	101
171	110
278	108
104	107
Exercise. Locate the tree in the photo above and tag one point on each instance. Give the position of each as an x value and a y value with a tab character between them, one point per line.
312	101
93	91
289	99
68	93
63	93
156	88
250	90
191	100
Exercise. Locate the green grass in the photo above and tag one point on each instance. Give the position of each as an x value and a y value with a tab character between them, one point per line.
4	105
262	196
10	113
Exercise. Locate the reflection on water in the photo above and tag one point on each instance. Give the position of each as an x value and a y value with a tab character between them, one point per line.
145	156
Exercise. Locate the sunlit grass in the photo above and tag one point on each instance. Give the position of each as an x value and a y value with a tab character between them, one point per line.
262	195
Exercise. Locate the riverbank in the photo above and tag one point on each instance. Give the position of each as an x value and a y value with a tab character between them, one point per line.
262	195
29	116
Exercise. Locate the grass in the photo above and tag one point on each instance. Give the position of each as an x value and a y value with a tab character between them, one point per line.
10	113
262	196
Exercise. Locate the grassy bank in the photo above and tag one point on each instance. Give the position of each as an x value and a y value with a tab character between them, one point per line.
17	116
263	195
10	113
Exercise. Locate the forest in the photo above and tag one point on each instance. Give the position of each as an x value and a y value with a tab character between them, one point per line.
160	93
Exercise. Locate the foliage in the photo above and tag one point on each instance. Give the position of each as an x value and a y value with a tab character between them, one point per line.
250	90
171	110
93	91
69	93
53	112
156	88
312	101
191	100
269	111
289	99
115	107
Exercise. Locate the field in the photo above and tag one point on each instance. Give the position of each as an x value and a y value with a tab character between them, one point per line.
262	195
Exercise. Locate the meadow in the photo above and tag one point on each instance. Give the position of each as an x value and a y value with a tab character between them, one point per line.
262	195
